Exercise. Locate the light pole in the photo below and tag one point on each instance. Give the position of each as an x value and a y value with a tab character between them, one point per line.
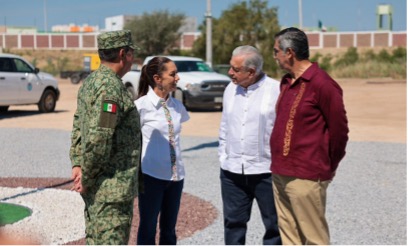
209	34
45	15
300	15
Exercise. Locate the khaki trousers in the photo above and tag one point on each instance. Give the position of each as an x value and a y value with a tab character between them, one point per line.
301	206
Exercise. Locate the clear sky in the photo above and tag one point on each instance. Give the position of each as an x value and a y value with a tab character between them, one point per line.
345	15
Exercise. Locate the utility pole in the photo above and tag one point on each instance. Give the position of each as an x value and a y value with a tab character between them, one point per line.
300	15
45	15
209	34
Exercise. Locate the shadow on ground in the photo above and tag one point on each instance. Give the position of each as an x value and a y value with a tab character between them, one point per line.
24	113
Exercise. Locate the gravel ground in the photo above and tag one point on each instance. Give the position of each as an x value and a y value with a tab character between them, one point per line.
367	201
66	225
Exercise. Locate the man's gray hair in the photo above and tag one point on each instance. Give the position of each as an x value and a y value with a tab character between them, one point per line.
253	58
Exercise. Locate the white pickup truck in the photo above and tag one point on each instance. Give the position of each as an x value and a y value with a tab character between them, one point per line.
21	83
199	86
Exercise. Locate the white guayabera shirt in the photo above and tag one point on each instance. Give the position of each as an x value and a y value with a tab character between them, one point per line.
247	121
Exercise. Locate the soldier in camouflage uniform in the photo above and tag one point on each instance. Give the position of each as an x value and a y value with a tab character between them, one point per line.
106	144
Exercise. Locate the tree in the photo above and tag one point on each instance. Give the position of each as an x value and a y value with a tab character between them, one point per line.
156	33
245	23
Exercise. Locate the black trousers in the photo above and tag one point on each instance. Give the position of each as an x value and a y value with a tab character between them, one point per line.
160	197
238	193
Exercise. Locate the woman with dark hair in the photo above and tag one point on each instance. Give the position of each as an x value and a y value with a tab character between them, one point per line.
161	116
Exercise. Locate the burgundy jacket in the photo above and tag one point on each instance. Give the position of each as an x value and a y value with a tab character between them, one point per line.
310	133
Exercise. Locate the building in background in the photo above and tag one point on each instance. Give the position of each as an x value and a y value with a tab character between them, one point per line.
188	34
188	30
74	28
187	40
84	37
116	23
18	29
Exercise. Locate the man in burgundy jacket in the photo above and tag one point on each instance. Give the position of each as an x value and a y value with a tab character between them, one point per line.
307	143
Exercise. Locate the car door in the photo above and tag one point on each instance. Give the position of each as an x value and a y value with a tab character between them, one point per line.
19	83
9	81
29	85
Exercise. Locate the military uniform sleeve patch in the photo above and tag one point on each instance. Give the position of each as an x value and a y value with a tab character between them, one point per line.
108	115
109	107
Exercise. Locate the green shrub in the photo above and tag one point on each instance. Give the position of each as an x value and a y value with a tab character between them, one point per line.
50	67
383	56
399	54
366	65
349	58
6	50
62	63
368	55
326	63
323	61
316	57
34	62
178	52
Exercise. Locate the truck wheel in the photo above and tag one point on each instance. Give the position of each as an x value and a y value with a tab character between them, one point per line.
3	109
84	76
47	102
75	78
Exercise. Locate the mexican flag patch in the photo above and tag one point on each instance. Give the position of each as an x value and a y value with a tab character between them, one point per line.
109	107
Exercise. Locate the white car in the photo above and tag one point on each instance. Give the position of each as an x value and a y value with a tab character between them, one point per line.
199	86
21	83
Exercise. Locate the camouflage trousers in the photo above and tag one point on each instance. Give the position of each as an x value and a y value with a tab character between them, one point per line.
107	223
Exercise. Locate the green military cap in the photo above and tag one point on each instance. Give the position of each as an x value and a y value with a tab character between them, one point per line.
116	39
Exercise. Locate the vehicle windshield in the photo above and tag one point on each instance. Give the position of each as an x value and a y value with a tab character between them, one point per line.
192	66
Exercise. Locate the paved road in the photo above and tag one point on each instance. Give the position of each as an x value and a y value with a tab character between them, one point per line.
367	201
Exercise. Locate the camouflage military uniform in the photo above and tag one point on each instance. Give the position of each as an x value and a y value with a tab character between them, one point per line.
106	144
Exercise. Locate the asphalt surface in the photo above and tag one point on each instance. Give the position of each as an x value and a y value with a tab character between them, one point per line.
367	201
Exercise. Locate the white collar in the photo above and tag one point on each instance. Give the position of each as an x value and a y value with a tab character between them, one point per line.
156	100
257	84
254	86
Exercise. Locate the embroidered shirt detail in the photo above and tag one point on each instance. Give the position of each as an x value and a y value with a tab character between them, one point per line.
289	124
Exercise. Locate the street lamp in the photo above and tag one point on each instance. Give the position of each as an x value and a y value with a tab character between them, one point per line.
209	34
45	15
300	15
